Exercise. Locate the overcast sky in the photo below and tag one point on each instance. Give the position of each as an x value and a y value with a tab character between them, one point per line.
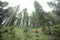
28	4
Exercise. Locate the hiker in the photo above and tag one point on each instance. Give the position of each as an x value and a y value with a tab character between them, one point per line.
37	33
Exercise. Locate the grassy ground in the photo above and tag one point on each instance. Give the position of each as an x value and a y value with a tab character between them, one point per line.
31	35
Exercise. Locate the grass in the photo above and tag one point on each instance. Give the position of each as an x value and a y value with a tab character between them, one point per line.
30	35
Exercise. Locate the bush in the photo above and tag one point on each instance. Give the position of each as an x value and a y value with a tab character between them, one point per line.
7	33
56	32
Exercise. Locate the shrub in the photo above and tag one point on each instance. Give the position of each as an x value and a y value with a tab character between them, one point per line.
7	33
56	32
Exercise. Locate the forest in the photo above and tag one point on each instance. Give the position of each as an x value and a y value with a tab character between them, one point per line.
40	25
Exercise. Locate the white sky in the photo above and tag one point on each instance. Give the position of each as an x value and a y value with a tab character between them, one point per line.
28	4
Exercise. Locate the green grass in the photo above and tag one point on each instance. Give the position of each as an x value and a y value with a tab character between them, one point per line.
31	35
